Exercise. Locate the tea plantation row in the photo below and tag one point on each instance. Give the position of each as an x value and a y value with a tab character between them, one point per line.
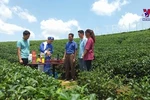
23	83
121	68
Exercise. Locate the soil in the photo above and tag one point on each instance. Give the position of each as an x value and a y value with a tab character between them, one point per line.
68	84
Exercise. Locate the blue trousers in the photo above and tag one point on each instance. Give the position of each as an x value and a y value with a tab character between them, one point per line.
47	66
82	64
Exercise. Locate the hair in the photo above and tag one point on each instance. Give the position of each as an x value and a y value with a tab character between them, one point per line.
92	35
81	31
26	32
71	34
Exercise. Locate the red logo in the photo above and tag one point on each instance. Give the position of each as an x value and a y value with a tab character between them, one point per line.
146	12
146	15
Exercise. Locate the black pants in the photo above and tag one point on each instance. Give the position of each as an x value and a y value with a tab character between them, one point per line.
25	61
88	64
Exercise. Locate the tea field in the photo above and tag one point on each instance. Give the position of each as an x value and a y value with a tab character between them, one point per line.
120	71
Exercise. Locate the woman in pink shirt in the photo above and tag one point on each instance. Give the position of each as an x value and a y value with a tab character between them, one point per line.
88	54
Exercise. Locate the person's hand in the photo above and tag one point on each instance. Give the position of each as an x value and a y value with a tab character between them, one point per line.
63	58
74	60
48	53
20	61
82	56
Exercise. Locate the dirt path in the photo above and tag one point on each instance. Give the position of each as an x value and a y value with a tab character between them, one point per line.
68	84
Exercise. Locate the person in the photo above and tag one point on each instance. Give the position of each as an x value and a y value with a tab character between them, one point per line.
88	54
82	44
69	57
46	48
23	48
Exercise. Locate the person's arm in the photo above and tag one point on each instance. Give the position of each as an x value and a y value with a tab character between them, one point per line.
42	48
75	54
29	46
19	56
65	52
18	52
87	47
85	51
85	41
49	53
52	49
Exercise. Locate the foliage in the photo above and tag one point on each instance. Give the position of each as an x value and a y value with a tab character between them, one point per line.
122	64
120	60
136	90
19	82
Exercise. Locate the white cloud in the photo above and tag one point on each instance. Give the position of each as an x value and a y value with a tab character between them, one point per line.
4	1
103	7
10	29
129	19
58	28
5	12
24	14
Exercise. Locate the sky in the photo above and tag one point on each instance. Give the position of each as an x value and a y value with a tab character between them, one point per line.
57	18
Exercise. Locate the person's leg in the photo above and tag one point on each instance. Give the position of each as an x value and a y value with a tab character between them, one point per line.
83	64
72	66
67	67
49	70
47	66
88	65
80	64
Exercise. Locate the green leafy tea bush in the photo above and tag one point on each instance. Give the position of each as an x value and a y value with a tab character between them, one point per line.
19	82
